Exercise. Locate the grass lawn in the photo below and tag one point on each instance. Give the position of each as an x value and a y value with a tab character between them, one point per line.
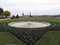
49	38
8	38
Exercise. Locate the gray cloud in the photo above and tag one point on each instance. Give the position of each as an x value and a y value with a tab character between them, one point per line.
17	6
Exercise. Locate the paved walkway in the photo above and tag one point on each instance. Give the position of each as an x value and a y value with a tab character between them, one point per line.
5	19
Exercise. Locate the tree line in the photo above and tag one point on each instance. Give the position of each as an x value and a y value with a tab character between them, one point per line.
5	13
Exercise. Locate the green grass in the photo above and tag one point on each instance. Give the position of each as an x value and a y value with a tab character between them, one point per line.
8	38
49	38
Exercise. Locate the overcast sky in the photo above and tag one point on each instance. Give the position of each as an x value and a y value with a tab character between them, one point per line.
33	6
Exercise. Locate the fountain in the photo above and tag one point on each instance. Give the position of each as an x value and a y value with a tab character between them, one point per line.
29	31
29	24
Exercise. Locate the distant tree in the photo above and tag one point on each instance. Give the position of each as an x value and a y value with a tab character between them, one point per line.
7	13
30	14
22	14
17	16
1	11
13	17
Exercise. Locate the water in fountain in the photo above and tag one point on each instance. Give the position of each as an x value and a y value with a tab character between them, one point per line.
29	24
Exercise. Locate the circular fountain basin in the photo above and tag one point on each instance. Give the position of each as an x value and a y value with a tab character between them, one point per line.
29	24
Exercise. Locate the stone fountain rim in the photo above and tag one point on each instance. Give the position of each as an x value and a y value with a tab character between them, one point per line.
43	28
